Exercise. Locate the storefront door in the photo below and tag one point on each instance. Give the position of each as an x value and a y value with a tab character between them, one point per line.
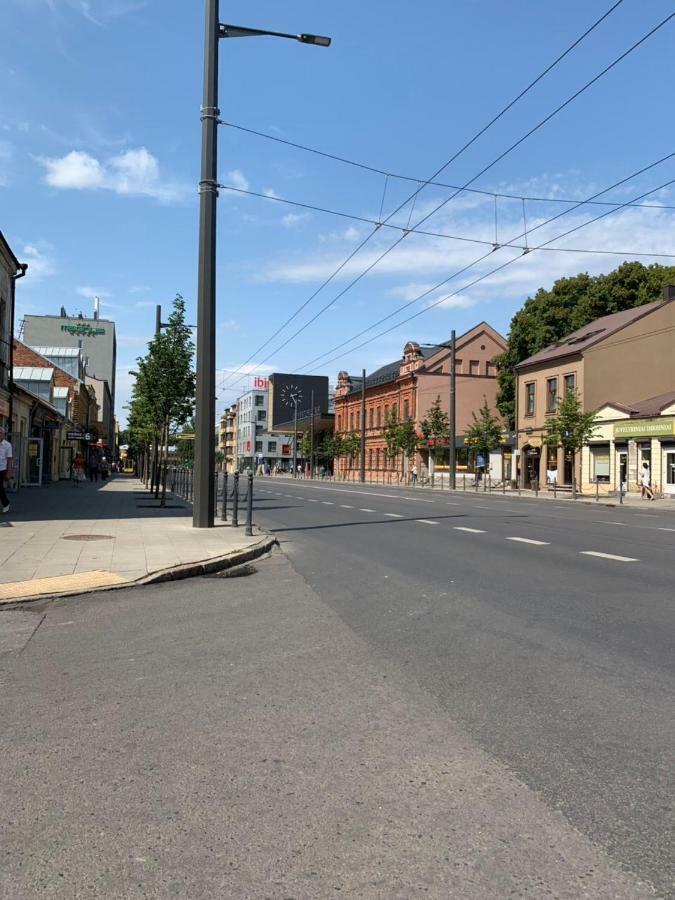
33	474
622	466
669	470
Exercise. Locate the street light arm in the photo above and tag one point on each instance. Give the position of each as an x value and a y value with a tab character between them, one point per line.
232	31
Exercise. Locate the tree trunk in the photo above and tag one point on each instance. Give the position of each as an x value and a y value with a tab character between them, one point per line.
165	459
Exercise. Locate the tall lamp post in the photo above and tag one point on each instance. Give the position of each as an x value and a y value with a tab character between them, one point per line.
205	405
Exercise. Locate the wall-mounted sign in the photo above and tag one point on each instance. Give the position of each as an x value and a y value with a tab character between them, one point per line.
84	330
74	436
261	383
644	428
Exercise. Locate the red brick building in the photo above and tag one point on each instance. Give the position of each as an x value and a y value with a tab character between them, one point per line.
409	386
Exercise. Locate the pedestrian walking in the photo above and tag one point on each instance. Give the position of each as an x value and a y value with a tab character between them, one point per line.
646	483
414	474
78	470
93	462
6	463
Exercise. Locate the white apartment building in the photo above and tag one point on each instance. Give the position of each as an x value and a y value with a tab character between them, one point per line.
255	446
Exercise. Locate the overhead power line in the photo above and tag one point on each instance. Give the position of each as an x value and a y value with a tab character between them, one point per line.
500	195
483	277
423	184
484	256
457	237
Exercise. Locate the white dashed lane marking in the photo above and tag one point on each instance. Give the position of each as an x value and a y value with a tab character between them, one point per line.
470	530
345	506
395	515
367	510
608	556
312	500
666	529
622	524
328	503
427	522
522	540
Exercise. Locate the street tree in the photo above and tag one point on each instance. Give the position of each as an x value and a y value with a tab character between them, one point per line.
164	387
435	427
484	434
570	304
570	428
391	434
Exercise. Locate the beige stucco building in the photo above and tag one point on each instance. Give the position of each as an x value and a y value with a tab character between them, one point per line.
618	359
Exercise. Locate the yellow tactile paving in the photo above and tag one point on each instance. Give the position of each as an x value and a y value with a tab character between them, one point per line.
84	581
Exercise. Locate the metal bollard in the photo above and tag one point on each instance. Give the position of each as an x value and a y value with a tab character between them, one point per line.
235	501
249	506
597	490
223	512
503	485
555	489
621	493
464	481
536	487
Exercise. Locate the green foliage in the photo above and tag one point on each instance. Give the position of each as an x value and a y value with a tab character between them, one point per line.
408	440
350	444
570	304
391	434
485	432
400	436
570	427
164	387
435	426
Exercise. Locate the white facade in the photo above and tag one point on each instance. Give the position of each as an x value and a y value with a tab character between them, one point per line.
254	443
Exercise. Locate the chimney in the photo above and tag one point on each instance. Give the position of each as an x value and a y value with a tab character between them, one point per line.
669	292
97	307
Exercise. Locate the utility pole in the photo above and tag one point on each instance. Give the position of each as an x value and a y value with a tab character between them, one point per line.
158	319
295	436
203	508
311	440
453	414
362	473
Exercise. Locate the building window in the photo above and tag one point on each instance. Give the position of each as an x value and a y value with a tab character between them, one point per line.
370	458
271	446
394	411
529	402
600	457
406	409
570	383
259	429
458	366
259	400
262	415
351	421
377	457
258	446
551	394
490	370
379	416
474	367
358	421
339	423
371	413
386	413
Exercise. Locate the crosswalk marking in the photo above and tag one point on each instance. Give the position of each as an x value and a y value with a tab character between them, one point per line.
608	556
522	540
470	530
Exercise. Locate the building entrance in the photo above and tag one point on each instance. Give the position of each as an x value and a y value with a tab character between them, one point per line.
669	471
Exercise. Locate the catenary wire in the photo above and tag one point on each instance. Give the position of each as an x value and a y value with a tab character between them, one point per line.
494	271
486	168
470	190
484	256
456	237
423	184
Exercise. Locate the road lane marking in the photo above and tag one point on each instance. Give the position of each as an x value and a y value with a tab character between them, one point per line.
470	530
666	529
523	540
608	556
344	506
646	516
622	524
312	500
395	515
316	487
427	522
367	510
328	503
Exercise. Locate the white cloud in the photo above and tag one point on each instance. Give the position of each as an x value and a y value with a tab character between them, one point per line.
6	154
291	219
229	325
134	172
236	179
270	192
90	292
40	260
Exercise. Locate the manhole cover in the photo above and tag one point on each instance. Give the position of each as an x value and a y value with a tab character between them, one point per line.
89	537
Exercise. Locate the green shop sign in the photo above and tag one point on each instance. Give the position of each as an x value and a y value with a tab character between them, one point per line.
644	428
86	330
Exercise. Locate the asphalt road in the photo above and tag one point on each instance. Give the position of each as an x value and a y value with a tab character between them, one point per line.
546	630
405	702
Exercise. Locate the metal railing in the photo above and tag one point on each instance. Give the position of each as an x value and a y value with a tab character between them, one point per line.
232	493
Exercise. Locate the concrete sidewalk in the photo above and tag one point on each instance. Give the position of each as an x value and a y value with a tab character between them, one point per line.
65	539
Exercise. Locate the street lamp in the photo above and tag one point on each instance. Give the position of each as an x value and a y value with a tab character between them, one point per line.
294	400
205	405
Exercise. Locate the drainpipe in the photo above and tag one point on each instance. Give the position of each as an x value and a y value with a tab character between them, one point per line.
18	274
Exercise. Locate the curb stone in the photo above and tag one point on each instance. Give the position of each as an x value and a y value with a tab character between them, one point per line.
171	573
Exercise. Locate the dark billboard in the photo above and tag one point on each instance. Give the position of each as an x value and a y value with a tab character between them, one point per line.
287	391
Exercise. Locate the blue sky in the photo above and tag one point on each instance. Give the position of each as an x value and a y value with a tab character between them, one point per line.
99	160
